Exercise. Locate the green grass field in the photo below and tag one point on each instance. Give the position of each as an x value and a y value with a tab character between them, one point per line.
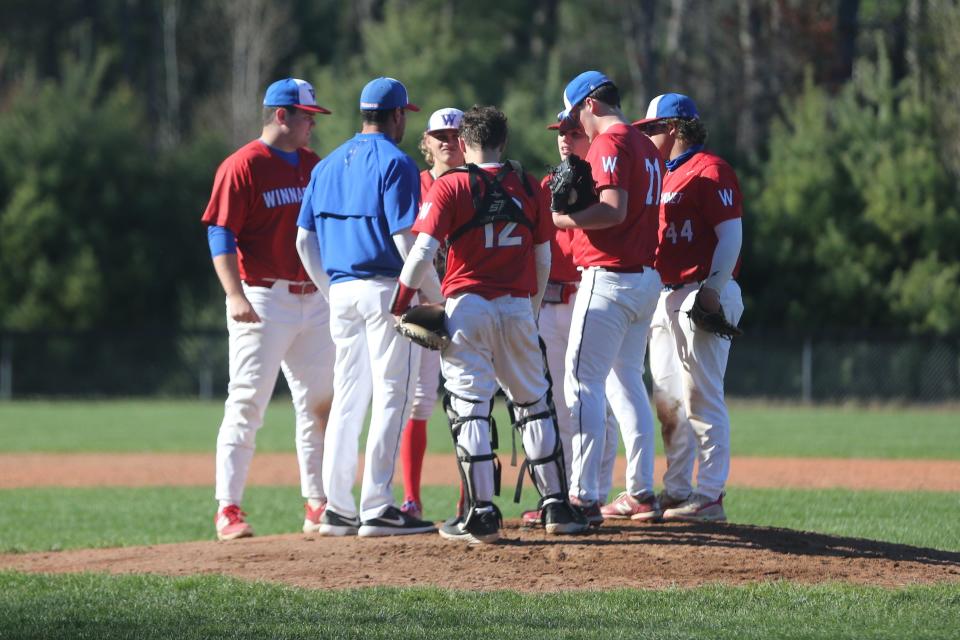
137	425
148	607
96	606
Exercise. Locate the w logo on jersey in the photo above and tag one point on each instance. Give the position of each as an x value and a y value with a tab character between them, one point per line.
671	197
425	210
726	197
449	119
609	163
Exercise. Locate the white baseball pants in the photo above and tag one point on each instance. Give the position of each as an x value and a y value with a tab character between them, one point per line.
494	343
608	338
294	336
375	362
688	366
554	322
427	385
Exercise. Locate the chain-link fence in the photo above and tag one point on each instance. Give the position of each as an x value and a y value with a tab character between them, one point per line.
836	367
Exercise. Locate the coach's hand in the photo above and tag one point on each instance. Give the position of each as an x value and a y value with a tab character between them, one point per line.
240	308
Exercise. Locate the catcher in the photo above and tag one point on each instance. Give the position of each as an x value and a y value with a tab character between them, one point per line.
491	215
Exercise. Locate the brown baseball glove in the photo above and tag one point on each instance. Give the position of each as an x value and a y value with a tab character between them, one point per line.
425	325
713	321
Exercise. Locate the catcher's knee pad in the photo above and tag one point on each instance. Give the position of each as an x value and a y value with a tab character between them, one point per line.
543	448
460	412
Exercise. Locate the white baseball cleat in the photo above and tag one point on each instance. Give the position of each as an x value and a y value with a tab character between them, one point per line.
698	508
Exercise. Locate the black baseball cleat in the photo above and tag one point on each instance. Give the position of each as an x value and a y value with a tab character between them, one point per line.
483	527
334	524
394	522
589	510
562	518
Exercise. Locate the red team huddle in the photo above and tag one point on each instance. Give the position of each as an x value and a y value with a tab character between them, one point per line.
598	284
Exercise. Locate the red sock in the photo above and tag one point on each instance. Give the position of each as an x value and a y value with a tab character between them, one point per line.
413	445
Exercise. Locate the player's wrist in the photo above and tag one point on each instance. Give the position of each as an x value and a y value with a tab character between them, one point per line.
402	299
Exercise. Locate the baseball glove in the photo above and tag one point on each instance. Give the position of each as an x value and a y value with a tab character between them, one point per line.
713	321
571	185
425	325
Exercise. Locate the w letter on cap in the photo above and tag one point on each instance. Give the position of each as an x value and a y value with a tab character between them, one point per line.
449	119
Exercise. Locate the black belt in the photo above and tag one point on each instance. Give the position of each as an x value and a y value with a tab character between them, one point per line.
678	286
624	269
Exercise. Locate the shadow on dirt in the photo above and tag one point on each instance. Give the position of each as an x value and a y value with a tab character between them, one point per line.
739	536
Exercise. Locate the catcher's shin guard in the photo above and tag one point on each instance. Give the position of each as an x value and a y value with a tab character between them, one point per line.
538	420
466	461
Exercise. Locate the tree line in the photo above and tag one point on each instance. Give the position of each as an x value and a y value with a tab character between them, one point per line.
839	116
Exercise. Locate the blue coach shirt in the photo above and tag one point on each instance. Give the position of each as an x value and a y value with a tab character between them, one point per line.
365	191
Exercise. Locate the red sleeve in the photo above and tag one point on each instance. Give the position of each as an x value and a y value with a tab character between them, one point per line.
230	199
543	230
609	165
719	194
436	210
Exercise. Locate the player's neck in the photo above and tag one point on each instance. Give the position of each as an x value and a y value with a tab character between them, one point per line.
439	168
481	156
610	119
679	148
272	137
372	127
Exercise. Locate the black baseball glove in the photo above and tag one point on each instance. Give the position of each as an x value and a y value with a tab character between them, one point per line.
571	185
425	325
713	321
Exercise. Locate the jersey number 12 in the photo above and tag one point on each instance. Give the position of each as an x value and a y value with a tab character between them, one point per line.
503	239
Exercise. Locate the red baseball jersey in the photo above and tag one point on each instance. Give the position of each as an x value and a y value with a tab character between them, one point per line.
562	266
426	181
700	194
624	158
493	260
257	194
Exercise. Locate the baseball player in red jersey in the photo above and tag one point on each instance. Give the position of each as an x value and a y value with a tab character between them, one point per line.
698	257
614	244
276	318
441	150
491	216
556	314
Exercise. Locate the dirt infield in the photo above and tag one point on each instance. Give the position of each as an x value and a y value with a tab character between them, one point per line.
160	469
616	556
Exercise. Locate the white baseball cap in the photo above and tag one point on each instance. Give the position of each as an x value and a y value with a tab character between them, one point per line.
442	119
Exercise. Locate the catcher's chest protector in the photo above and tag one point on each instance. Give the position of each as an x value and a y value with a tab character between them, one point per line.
492	203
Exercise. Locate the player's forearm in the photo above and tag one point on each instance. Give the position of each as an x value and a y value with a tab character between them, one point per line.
418	267
610	211
417	273
227	268
429	283
725	255
309	250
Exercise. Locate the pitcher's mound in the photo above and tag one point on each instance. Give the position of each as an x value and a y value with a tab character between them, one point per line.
615	556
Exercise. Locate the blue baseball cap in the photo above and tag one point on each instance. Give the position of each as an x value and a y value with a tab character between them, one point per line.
292	92
381	94
579	88
669	105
